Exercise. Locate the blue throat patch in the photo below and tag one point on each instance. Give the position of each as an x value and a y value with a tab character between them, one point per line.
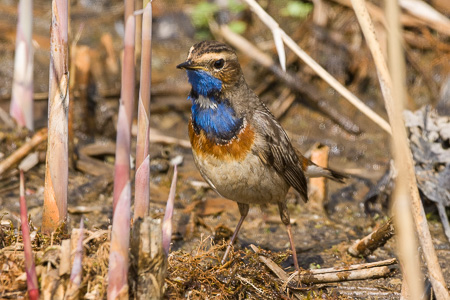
220	124
218	120
203	83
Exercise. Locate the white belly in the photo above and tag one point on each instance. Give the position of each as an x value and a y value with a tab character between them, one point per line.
246	181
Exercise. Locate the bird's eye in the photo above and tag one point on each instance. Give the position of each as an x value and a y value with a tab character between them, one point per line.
218	64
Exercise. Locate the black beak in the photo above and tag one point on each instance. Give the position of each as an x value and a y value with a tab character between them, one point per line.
188	65
185	65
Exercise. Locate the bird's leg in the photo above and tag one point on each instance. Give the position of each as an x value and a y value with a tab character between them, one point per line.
284	214
243	209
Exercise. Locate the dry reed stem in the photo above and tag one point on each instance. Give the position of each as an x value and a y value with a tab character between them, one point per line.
21	108
30	269
142	195
273	25
243	45
23	151
406	195
120	240
353	272
406	19
125	119
428	14
371	273
56	171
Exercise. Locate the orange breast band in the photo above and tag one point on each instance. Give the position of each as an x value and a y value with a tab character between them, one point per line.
236	149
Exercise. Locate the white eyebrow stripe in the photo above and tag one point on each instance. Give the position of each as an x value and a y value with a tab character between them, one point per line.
190	52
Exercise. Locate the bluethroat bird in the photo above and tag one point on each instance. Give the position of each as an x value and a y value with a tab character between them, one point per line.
239	148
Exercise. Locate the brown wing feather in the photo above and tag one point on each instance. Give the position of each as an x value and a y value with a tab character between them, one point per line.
277	151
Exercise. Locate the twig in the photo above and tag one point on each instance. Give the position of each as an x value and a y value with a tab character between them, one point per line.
358	274
405	19
374	240
381	263
272	24
352	272
271	265
428	14
407	194
248	281
23	151
444	219
157	137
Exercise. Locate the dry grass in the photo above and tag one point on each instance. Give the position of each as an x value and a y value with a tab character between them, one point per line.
197	275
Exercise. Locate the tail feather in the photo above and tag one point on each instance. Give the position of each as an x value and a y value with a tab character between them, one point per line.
337	176
314	170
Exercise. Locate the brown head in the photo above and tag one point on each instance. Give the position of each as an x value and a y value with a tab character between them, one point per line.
217	59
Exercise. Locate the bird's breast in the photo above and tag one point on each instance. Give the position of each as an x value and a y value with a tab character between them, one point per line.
236	148
234	171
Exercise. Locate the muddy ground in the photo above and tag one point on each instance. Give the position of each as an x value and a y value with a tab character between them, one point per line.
322	238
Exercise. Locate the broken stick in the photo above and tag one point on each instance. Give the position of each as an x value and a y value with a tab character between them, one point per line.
376	239
23	151
352	272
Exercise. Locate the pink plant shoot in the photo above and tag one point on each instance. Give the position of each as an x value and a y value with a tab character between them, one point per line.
125	119
32	283
21	108
142	196
56	169
120	241
167	221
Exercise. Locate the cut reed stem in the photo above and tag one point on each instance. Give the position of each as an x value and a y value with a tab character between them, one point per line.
56	169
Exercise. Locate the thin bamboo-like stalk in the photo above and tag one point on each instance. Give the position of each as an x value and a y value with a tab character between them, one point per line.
56	172
142	183
406	194
125	119
273	25
21	108
30	270
120	241
167	221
